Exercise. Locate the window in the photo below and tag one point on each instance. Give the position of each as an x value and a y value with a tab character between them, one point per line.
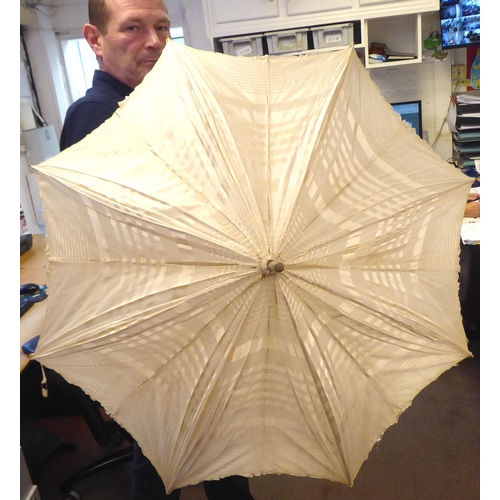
177	34
79	63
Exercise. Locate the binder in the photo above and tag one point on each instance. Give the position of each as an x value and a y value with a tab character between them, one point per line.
469	135
468	148
467	109
465	121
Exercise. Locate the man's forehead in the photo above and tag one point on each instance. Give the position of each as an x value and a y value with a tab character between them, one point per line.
124	6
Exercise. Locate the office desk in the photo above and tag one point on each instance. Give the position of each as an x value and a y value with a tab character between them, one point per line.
33	270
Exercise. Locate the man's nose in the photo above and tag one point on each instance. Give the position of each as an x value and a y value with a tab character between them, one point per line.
153	40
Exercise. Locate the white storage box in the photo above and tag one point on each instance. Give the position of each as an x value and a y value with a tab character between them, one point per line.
243	45
336	35
281	42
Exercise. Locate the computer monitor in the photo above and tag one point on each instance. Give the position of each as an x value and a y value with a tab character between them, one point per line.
411	112
460	23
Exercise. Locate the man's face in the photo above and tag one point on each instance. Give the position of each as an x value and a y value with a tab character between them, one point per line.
136	35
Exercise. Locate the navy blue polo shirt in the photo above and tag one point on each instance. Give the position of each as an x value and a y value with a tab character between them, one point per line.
93	109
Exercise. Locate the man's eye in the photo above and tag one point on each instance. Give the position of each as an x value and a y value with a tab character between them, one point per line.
131	28
164	29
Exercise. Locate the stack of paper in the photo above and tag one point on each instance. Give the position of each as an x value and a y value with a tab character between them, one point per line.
471	232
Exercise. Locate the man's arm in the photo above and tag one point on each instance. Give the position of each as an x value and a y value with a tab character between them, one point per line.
473	207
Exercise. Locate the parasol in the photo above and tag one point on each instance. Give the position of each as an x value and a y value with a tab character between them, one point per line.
258	262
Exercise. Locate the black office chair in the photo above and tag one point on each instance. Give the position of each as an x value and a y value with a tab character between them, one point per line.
67	399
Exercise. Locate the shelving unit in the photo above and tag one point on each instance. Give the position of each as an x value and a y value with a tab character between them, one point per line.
399	33
397	23
466	139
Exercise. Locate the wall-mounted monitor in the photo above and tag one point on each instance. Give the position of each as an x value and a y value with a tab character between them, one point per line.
411	112
460	23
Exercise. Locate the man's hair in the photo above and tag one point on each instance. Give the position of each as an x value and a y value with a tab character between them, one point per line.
99	15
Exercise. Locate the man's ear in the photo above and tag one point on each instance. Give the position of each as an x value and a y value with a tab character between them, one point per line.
93	36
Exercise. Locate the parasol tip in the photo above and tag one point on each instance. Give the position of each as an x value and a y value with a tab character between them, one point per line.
275	267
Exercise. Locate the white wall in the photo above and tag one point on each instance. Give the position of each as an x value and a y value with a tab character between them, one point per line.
193	22
428	82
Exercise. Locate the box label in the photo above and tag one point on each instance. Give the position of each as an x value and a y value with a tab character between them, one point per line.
334	38
244	51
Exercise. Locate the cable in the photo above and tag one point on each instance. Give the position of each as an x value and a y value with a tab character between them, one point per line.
445	118
31	81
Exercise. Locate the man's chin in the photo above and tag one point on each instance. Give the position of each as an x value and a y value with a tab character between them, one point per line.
143	71
148	64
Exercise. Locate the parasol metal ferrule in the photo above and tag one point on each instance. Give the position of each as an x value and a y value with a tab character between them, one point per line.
275	266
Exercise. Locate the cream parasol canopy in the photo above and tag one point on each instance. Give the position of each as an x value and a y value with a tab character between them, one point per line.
258	262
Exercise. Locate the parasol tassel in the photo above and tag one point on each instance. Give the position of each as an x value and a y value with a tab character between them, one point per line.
44	384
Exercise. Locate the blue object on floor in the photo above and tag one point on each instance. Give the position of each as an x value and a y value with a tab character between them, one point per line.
30	346
25	304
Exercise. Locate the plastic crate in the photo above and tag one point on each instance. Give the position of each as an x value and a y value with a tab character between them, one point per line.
336	35
243	46
281	42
